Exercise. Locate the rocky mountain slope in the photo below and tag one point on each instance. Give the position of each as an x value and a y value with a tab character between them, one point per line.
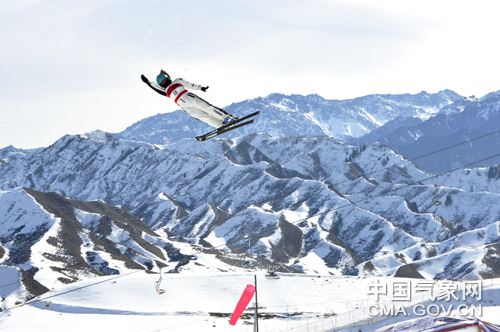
305	204
58	240
47	241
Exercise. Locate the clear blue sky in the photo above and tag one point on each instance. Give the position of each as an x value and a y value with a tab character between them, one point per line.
69	67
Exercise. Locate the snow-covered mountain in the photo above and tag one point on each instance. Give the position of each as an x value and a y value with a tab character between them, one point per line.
314	205
8	152
462	121
411	125
298	115
48	241
102	204
60	241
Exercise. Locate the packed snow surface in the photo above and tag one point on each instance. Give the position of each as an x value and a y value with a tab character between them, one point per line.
204	302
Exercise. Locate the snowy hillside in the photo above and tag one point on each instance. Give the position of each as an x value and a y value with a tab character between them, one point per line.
48	241
79	239
314	205
47	234
298	115
462	121
474	180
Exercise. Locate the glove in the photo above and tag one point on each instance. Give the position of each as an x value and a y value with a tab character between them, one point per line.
204	88
144	79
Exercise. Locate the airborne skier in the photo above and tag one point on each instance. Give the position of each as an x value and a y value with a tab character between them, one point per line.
194	105
189	102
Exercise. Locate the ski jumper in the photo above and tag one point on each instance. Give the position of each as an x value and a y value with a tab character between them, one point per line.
191	103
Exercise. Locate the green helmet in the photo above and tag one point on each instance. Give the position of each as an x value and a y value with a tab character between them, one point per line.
163	79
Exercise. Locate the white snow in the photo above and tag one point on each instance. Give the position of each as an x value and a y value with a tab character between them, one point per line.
11	289
87	219
296	302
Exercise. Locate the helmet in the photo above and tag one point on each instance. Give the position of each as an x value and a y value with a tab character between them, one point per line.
163	79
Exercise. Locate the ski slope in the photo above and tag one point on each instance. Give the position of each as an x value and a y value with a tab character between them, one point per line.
197	302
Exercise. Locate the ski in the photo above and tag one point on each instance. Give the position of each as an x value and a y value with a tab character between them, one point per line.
228	127
222	131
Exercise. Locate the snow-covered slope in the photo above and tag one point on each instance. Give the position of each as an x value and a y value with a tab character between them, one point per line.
474	180
59	241
17	286
47	241
204	302
314	205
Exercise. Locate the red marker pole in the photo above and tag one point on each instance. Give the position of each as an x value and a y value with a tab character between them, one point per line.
242	304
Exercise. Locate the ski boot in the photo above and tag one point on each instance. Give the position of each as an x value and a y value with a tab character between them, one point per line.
229	119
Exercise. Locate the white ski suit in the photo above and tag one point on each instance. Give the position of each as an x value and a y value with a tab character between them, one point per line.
191	103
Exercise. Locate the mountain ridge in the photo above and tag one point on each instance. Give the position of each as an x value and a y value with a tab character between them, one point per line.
256	185
463	121
298	115
296	204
